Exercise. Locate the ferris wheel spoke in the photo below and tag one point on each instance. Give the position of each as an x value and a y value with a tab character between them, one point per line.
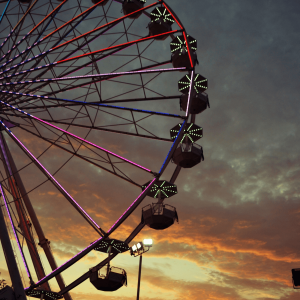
97	104
86	275
183	30
93	245
54	181
15	193
57	45
51	15
70	71
119	45
173	148
4	11
91	160
139	71
18	26
94	60
150	136
101	77
83	15
127	44
104	128
172	13
111	101
144	99
64	89
133	234
15	234
112	23
79	138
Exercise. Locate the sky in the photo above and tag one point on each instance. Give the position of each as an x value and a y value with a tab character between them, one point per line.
238	210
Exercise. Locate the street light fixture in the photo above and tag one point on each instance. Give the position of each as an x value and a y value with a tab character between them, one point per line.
141	247
138	250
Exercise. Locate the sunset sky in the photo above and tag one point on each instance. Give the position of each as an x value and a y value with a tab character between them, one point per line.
239	210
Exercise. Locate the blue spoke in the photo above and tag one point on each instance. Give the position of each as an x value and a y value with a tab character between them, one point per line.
4	11
173	148
89	103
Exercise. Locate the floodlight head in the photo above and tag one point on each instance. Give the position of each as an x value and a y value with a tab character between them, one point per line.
148	242
139	245
134	248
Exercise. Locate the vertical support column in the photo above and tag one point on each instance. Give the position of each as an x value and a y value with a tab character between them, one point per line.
139	279
43	242
11	260
20	210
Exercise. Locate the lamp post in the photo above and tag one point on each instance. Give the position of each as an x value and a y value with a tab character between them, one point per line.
138	250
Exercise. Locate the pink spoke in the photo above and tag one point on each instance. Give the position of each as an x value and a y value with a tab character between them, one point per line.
88	249
122	46
54	181
77	137
117	74
189	97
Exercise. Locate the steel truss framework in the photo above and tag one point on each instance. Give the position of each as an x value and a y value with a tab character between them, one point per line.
70	70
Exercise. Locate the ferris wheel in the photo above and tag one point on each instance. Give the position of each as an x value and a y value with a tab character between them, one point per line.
79	75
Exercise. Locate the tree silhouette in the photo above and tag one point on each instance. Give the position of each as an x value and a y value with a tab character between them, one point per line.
2	283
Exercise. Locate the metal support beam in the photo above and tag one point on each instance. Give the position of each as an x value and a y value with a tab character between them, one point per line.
11	260
21	214
85	251
43	242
